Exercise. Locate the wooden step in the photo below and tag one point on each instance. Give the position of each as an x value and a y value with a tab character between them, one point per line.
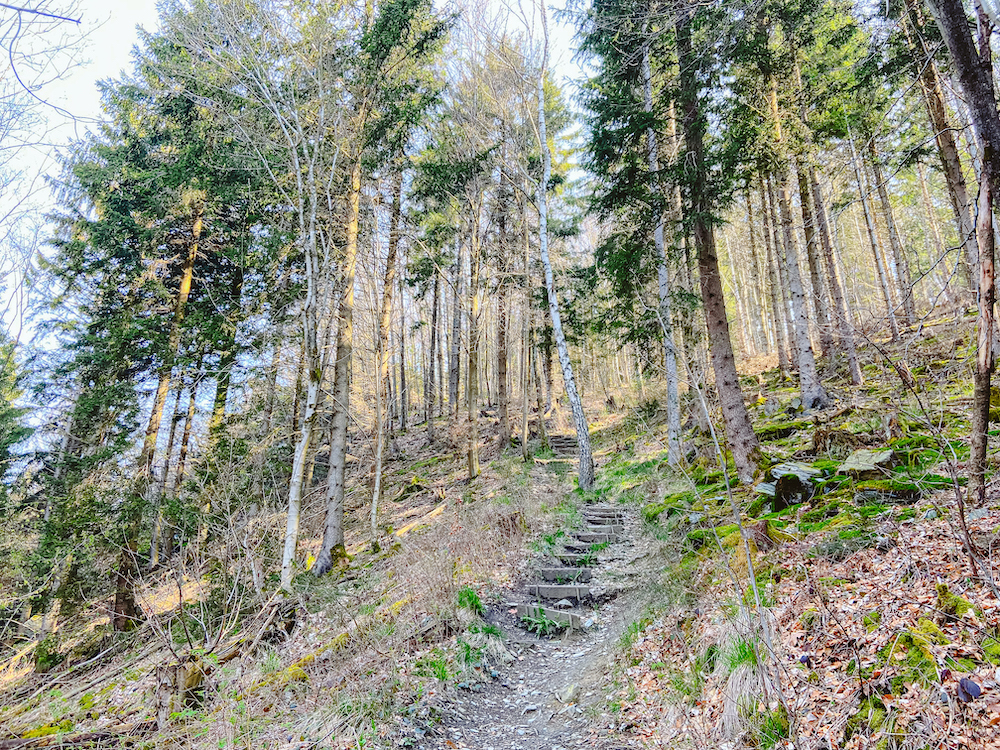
561	575
575	558
592	538
613	529
558	591
570	620
601	510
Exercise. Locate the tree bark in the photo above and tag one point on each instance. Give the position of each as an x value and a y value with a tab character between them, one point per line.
472	370
779	255
777	298
813	394
842	313
435	337
586	469
382	351
975	74
740	436
404	391
665	313
821	300
333	531
875	244
899	256
944	137
454	361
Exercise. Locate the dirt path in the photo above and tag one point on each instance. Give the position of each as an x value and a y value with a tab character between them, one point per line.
551	696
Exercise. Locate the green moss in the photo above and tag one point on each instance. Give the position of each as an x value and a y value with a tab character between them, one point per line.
991	649
822	512
64	726
872	620
869	718
47	654
87	701
673	504
778	430
905	514
699	538
951	604
810	619
897	489
919	664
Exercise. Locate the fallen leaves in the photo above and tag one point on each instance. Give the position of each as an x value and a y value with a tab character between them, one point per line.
864	626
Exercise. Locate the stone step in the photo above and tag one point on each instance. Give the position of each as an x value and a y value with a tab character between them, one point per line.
591	538
605	529
570	620
575	558
577	547
558	591
603	517
560	575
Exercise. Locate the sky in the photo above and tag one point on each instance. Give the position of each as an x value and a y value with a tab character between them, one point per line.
72	107
109	29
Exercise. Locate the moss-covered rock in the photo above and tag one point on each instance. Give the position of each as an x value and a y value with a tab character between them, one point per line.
671	505
699	538
897	490
951	605
778	430
821	512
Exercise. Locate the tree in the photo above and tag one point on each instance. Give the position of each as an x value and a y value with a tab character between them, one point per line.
974	68
585	472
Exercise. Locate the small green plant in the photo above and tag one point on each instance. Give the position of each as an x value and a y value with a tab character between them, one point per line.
486	629
469	655
743	653
467	598
773	728
539	623
433	665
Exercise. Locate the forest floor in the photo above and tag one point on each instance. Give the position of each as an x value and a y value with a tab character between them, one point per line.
842	612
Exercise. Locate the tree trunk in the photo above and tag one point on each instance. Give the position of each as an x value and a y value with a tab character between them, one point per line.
898	254
975	74
472	370
876	245
665	314
813	394
944	136
454	362
502	314
777	301
404	392
761	338
821	300
125	611
382	351
432	390
586	468
740	436
779	255
154	541
842	313
333	531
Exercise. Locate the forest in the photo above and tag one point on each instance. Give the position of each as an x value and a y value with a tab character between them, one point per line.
371	382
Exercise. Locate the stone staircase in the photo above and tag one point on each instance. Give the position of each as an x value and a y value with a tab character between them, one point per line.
563	594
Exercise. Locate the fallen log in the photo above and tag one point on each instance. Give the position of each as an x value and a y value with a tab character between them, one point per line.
120	734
